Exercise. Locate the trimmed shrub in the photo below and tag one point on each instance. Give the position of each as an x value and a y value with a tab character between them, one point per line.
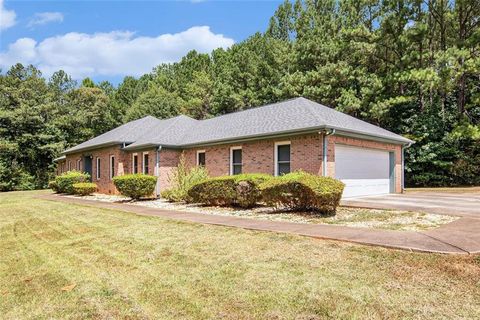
52	184
247	188
242	190
182	179
135	186
84	188
218	191
302	191
66	180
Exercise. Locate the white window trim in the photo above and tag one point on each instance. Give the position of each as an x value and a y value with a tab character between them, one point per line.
143	161
277	144
69	165
98	168
110	166
201	151
79	168
133	162
231	158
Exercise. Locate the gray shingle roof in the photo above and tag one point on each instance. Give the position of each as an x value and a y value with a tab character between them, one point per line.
295	115
126	133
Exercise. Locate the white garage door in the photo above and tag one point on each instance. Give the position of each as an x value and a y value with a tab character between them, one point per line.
364	171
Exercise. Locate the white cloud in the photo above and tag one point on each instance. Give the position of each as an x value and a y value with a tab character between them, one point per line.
114	53
42	18
7	17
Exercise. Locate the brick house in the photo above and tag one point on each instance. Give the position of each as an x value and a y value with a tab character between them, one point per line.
273	139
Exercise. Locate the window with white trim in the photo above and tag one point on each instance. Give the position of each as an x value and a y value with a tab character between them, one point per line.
201	159
98	168
69	165
112	167
235	160
145	162
79	165
135	163
282	158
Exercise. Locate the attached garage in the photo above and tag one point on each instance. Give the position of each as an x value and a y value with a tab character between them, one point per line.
364	171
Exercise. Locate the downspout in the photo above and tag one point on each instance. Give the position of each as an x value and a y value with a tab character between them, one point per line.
403	164
157	170
325	134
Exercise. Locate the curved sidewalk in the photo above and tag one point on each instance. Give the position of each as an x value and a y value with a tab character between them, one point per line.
459	237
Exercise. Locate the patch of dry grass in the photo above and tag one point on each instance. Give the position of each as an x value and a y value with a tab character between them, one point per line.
74	262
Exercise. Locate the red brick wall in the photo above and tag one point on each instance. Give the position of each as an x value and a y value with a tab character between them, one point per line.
306	154
105	184
257	157
168	162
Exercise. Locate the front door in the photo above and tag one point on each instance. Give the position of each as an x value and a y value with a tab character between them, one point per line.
88	165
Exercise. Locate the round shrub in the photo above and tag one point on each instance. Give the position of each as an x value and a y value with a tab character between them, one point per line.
52	184
135	186
247	188
84	188
242	190
303	191
219	191
66	180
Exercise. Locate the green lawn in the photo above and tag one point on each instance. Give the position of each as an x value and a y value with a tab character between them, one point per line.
112	264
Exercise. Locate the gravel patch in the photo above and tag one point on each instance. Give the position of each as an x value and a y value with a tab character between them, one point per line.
345	216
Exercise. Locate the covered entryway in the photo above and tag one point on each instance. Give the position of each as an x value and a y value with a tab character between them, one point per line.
364	171
87	160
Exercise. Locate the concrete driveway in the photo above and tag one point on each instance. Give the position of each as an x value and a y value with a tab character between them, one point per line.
464	204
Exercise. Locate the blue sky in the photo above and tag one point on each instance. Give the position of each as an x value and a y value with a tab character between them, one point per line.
107	40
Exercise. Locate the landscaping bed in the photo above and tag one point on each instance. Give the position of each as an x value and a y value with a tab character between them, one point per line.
345	216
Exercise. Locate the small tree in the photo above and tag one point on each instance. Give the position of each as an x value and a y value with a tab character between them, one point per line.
182	179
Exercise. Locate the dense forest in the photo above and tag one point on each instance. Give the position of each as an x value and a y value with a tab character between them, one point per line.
410	66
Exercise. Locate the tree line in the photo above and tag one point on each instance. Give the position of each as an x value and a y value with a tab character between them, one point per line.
410	66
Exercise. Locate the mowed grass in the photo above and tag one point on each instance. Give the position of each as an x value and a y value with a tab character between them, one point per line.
116	265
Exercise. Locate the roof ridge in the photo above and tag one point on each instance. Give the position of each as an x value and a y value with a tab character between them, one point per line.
253	108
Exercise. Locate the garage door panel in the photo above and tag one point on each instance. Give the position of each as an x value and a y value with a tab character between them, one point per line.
364	171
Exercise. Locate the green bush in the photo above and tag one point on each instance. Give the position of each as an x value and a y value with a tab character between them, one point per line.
84	188
247	188
52	184
242	190
135	186
66	180
218	191
182	179
302	191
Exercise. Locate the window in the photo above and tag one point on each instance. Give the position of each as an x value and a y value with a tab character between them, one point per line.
69	165
145	162
79	165
135	163
98	168
201	158
282	158
112	167
235	160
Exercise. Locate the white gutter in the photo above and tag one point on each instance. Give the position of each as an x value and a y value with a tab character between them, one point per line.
157	170
325	133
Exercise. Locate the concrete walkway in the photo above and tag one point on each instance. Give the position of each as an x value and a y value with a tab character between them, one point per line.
459	237
464	204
